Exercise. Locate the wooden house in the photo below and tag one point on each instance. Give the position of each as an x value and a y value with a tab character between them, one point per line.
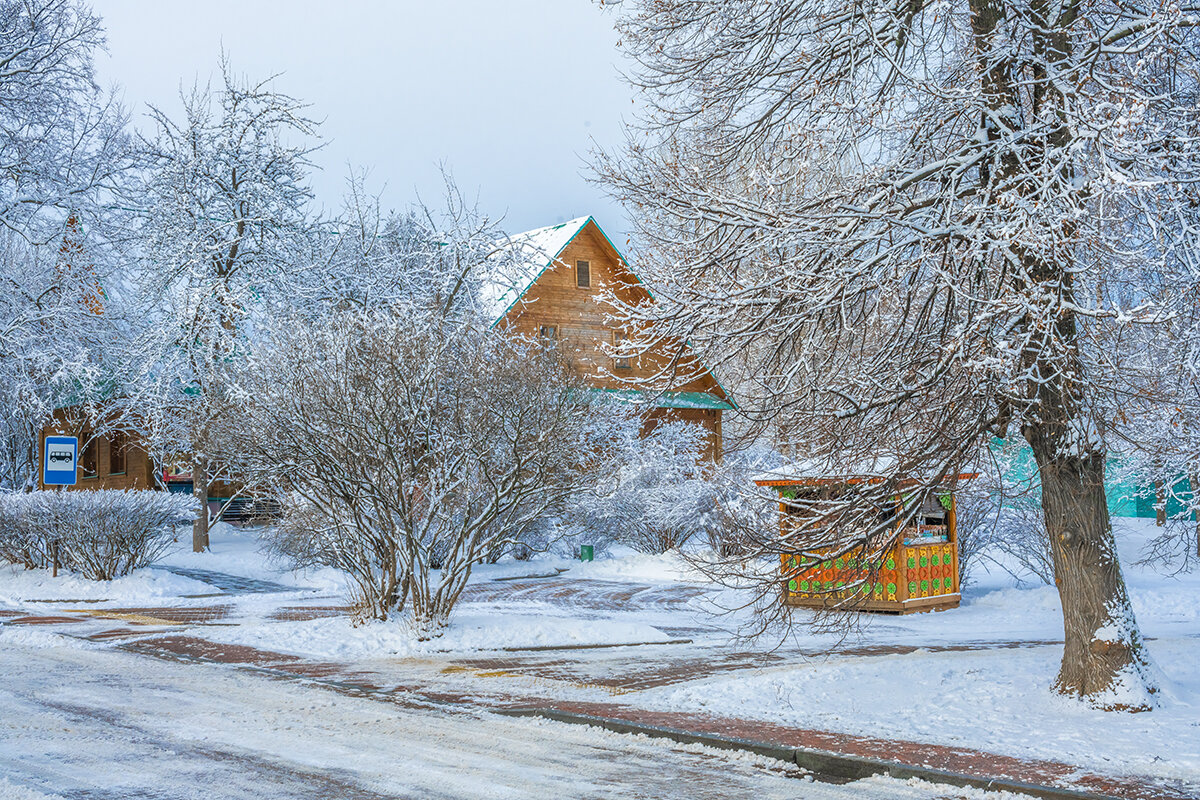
553	285
112	458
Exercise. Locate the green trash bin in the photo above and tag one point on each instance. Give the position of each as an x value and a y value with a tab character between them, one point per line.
586	552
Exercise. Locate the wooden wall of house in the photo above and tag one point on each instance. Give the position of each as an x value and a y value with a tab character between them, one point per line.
139	468
138	473
583	331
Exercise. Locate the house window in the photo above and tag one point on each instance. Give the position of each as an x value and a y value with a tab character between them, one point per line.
548	333
583	274
621	362
87	459
117	444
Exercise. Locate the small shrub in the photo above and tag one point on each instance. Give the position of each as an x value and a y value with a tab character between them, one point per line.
19	542
742	516
1021	536
100	535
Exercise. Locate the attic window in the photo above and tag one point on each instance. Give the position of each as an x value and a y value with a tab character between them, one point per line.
583	274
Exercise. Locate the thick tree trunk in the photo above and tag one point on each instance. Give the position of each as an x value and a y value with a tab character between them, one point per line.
1160	503
1104	659
200	492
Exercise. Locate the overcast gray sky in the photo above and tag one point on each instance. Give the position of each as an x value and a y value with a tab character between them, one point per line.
509	95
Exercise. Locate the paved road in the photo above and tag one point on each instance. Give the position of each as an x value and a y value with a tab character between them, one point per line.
92	722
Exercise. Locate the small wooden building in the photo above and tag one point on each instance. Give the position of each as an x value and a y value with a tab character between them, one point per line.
113	458
918	573
558	277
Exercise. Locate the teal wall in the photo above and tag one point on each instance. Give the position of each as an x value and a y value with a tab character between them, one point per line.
1124	499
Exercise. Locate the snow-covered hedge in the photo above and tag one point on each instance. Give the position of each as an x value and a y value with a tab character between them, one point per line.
100	535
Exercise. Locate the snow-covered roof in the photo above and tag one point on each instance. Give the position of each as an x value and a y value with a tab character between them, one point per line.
521	261
882	467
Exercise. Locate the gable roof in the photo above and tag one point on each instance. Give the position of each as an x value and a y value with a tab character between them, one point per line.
526	257
521	261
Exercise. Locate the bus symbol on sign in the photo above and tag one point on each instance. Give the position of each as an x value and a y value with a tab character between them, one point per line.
59	468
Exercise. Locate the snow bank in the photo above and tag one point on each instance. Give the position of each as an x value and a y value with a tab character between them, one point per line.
35	637
11	791
627	565
19	585
619	563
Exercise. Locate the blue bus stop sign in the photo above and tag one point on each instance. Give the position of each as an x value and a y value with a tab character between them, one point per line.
60	458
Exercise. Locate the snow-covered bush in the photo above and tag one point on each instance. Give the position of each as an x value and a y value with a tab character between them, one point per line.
659	497
412	446
740	514
19	543
1021	537
976	516
100	535
999	518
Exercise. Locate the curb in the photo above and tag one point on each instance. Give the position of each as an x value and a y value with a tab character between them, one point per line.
830	767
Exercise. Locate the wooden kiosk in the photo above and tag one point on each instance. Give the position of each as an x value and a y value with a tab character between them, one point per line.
919	572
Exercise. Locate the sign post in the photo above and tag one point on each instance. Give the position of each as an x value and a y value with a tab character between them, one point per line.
60	461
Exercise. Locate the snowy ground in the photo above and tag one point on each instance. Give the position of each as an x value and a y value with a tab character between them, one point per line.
102	724
976	677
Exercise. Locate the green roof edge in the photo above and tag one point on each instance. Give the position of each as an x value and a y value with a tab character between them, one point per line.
696	400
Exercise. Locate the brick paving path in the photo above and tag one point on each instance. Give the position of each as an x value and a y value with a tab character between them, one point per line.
960	760
157	615
303	613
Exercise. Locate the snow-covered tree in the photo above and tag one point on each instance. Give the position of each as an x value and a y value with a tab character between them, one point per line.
904	224
226	230
66	157
432	256
63	142
45	324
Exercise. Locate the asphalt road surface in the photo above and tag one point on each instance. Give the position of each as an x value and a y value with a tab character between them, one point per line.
81	721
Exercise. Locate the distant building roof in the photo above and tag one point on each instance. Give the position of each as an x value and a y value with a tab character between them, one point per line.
691	400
